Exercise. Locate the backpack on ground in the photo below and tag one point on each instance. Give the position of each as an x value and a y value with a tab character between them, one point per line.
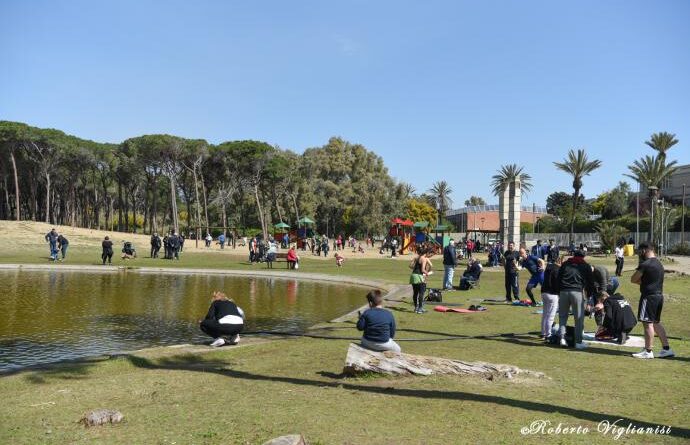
434	295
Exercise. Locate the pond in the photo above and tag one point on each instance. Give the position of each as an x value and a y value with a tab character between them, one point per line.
61	315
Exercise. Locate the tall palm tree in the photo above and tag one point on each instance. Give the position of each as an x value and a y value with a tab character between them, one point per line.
651	171
507	174
440	192
662	142
577	165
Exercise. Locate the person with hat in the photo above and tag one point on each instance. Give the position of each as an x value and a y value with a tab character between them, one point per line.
575	278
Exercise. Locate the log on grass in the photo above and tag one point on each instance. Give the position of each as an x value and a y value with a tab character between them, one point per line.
360	360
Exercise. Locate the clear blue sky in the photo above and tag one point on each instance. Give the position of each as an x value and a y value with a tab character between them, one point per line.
441	90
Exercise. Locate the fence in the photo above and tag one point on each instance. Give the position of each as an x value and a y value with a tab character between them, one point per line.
672	239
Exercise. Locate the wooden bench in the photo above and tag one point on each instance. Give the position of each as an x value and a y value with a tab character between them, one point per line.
280	257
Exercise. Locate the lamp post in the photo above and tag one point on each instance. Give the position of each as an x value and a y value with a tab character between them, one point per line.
652	194
536	225
637	210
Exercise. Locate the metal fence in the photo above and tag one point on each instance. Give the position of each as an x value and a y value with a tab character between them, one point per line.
671	240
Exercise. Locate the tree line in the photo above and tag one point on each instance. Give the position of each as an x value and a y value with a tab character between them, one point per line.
153	183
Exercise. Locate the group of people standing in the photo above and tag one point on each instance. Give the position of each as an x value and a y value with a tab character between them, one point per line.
173	244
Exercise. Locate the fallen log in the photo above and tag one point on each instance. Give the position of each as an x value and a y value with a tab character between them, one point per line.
360	360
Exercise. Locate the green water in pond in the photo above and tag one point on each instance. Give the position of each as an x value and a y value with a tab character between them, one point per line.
53	316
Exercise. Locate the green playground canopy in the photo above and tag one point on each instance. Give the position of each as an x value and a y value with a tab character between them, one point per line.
281	225
421	225
305	220
441	228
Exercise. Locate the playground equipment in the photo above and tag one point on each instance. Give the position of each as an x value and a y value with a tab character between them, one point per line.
279	231
305	231
401	229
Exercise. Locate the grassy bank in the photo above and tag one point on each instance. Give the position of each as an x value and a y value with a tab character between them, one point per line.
252	393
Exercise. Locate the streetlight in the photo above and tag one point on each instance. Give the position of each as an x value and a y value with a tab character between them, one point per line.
652	194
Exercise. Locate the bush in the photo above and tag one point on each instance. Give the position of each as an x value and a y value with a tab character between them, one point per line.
680	249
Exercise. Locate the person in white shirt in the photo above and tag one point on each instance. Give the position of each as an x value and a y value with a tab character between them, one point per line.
620	259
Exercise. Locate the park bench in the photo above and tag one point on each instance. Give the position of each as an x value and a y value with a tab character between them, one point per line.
282	257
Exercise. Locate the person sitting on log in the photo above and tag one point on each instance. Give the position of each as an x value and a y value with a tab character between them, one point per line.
378	325
224	319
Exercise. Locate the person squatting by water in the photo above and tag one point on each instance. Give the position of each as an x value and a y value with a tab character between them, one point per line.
421	268
224	320
378	325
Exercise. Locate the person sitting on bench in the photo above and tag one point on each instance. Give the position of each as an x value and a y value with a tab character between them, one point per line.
378	325
619	318
292	258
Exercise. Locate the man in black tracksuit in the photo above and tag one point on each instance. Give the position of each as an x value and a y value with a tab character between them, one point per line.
155	245
619	318
575	282
511	262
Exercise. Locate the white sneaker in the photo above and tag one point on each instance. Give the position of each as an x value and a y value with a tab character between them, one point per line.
564	343
644	354
666	353
234	339
218	342
580	345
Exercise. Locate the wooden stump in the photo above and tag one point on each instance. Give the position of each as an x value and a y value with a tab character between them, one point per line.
360	360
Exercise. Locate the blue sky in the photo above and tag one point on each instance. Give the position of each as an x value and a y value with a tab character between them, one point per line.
441	90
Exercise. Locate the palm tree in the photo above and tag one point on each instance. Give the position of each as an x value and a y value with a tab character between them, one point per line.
662	142
440	192
577	165
651	171
506	175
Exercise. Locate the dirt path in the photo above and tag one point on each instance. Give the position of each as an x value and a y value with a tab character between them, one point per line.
681	264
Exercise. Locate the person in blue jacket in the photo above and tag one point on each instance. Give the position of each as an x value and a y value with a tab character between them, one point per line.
378	325
535	266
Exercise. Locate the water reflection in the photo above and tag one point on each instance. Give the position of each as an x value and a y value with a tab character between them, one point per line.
52	316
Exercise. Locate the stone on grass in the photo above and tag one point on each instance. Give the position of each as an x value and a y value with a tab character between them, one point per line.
292	439
101	417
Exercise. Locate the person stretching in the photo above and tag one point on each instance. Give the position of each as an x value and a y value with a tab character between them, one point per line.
378	325
224	319
535	265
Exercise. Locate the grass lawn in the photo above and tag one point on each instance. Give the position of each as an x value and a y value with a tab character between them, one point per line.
249	394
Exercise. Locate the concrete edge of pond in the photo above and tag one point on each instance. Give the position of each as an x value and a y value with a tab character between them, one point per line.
185	271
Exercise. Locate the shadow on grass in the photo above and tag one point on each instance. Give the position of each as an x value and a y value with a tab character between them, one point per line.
191	363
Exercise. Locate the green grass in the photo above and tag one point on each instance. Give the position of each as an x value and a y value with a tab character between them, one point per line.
251	394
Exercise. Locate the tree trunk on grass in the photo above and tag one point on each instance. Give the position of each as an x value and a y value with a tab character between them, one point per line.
360	360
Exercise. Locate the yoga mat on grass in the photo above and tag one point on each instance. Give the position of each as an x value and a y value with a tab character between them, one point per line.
632	341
